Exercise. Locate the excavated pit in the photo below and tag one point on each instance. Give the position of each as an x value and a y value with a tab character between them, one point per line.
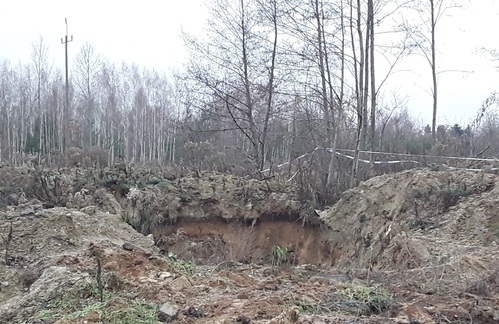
211	241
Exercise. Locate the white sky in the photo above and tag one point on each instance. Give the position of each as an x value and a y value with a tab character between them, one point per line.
147	32
458	38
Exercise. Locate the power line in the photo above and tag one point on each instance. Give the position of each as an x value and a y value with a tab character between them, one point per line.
65	125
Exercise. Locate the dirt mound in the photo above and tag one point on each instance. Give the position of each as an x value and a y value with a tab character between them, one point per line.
39	233
148	198
437	228
35	238
415	247
389	221
54	282
210	196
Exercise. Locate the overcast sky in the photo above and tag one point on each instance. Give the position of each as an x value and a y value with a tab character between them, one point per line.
147	32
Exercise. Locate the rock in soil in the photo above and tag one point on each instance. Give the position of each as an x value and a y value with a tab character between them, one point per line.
167	312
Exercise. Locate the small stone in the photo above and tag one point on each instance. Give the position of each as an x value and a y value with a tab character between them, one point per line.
132	247
194	312
167	312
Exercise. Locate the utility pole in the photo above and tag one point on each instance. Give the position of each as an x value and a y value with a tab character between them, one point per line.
65	125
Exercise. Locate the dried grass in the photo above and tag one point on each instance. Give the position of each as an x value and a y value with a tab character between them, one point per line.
242	244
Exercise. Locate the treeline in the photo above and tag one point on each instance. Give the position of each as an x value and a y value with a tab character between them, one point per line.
270	81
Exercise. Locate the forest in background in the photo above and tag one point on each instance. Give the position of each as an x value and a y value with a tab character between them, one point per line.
270	81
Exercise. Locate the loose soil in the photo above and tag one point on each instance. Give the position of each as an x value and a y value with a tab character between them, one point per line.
419	246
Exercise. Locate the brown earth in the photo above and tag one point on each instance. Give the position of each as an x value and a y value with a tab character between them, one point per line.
414	247
51	270
213	241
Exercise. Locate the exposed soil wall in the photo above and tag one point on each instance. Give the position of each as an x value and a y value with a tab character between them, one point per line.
213	241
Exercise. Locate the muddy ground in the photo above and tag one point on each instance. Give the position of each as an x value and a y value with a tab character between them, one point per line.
149	246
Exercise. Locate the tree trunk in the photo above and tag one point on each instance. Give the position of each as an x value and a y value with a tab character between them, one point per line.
322	71
359	83
247	90
370	14
270	89
366	86
433	72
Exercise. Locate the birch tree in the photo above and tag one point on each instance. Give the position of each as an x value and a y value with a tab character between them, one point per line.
41	70
231	66
86	77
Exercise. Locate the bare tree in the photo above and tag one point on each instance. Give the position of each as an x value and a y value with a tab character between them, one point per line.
367	90
41	69
361	79
5	102
270	13
231	68
433	61
87	68
424	38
